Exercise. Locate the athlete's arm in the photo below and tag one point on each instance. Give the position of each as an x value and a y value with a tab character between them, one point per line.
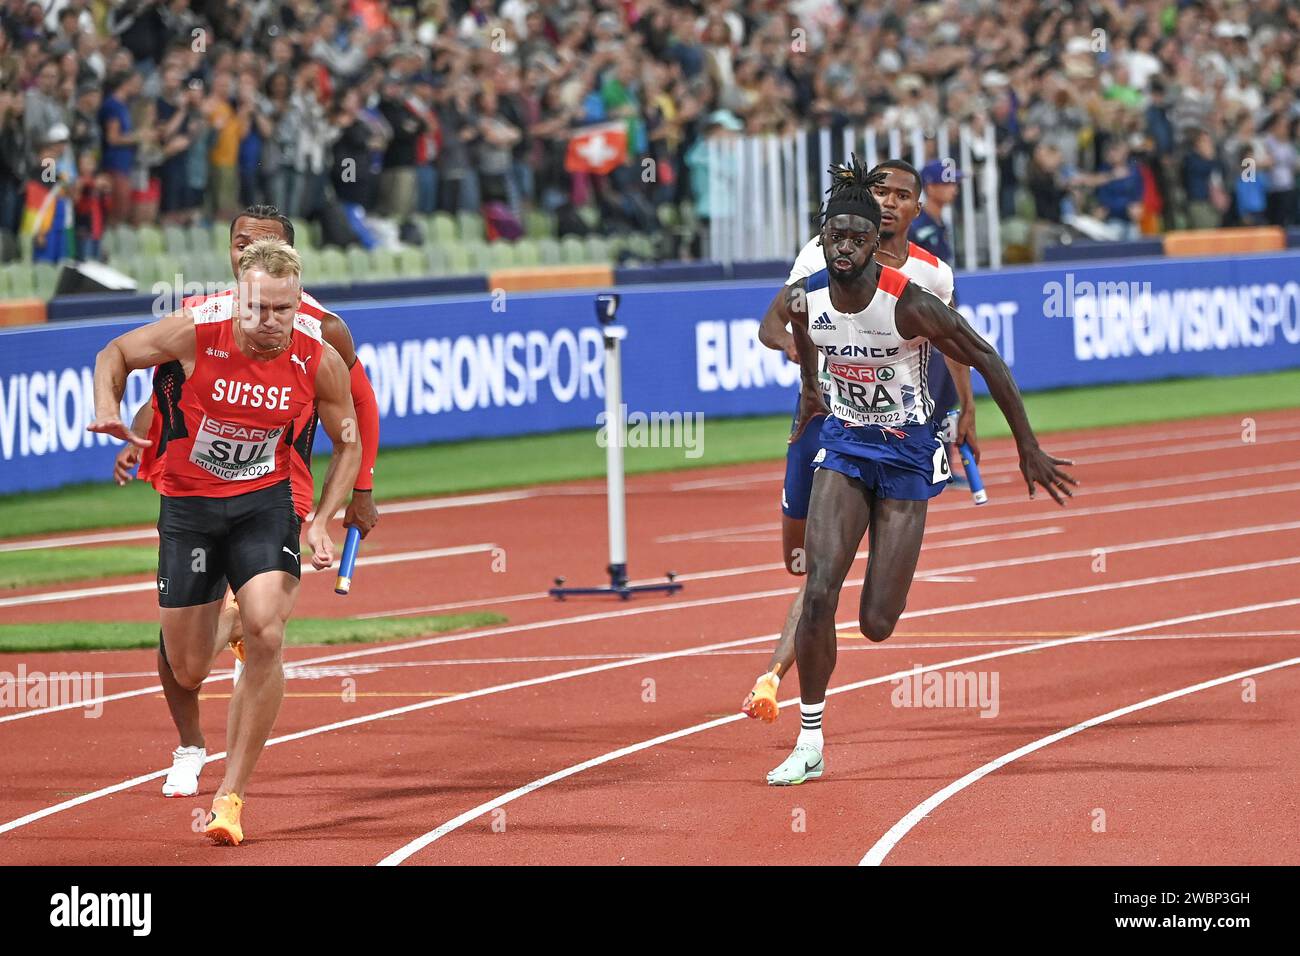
361	509
794	312
338	418
772	331
167	340
960	373
922	314
129	456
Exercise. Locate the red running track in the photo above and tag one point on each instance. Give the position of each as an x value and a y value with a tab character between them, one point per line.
538	741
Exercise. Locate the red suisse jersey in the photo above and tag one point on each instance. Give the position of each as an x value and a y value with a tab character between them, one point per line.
167	380
227	429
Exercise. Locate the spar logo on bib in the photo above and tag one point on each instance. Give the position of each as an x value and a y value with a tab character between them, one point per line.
235	452
862	373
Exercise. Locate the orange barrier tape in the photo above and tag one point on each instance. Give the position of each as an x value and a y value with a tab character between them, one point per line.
551	277
1225	242
22	311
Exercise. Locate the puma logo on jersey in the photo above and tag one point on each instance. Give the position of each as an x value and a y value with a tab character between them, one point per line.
301	363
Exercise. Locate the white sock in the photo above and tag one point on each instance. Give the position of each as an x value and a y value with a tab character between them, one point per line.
811	734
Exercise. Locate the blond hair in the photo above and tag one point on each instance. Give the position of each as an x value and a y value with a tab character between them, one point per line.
273	256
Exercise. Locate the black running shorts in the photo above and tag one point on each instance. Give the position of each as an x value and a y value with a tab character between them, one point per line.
205	543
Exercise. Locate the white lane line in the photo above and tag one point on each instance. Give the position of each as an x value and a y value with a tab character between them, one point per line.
1146	454
703	484
520	494
876	855
859	556
1083	493
79	594
404	556
445	639
75	540
1153	436
707	575
597	668
455	823
459	501
753	595
896	644
716	532
1146	484
396	507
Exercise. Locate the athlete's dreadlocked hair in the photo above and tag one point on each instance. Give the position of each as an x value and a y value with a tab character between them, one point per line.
850	193
265	212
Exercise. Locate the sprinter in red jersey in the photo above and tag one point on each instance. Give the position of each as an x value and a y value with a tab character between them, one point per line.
255	222
247	367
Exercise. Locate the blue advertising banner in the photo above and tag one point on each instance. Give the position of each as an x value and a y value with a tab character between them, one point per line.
505	364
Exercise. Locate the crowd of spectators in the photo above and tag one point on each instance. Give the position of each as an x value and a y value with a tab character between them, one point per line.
1143	115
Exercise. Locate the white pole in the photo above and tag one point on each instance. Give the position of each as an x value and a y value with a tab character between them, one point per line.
918	147
790	220
823	161
758	218
846	141
714	154
802	213
869	138
772	232
942	143
968	224
616	435
992	207
895	144
733	176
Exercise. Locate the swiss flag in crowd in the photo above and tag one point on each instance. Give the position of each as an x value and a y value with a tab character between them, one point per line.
597	149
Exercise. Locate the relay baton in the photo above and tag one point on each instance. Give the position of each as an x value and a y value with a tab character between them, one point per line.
344	583
977	491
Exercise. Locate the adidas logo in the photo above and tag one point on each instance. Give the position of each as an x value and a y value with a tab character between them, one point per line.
823	321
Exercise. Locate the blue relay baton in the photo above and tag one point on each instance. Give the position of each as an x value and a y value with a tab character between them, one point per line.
977	491
350	547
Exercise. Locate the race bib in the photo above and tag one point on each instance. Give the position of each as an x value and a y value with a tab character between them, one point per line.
235	452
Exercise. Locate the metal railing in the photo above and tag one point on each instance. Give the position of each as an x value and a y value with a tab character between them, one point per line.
764	190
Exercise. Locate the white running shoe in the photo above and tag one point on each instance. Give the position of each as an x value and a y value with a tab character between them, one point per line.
183	778
804	763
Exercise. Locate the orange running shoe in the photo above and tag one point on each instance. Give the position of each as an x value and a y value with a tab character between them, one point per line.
761	702
223	826
230	613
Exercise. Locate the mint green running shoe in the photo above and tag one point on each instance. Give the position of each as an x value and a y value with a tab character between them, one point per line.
804	763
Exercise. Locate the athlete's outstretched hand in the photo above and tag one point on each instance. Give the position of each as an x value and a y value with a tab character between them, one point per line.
1040	468
809	408
126	459
117	428
322	548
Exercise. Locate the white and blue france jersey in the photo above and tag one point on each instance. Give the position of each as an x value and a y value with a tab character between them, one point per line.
875	376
